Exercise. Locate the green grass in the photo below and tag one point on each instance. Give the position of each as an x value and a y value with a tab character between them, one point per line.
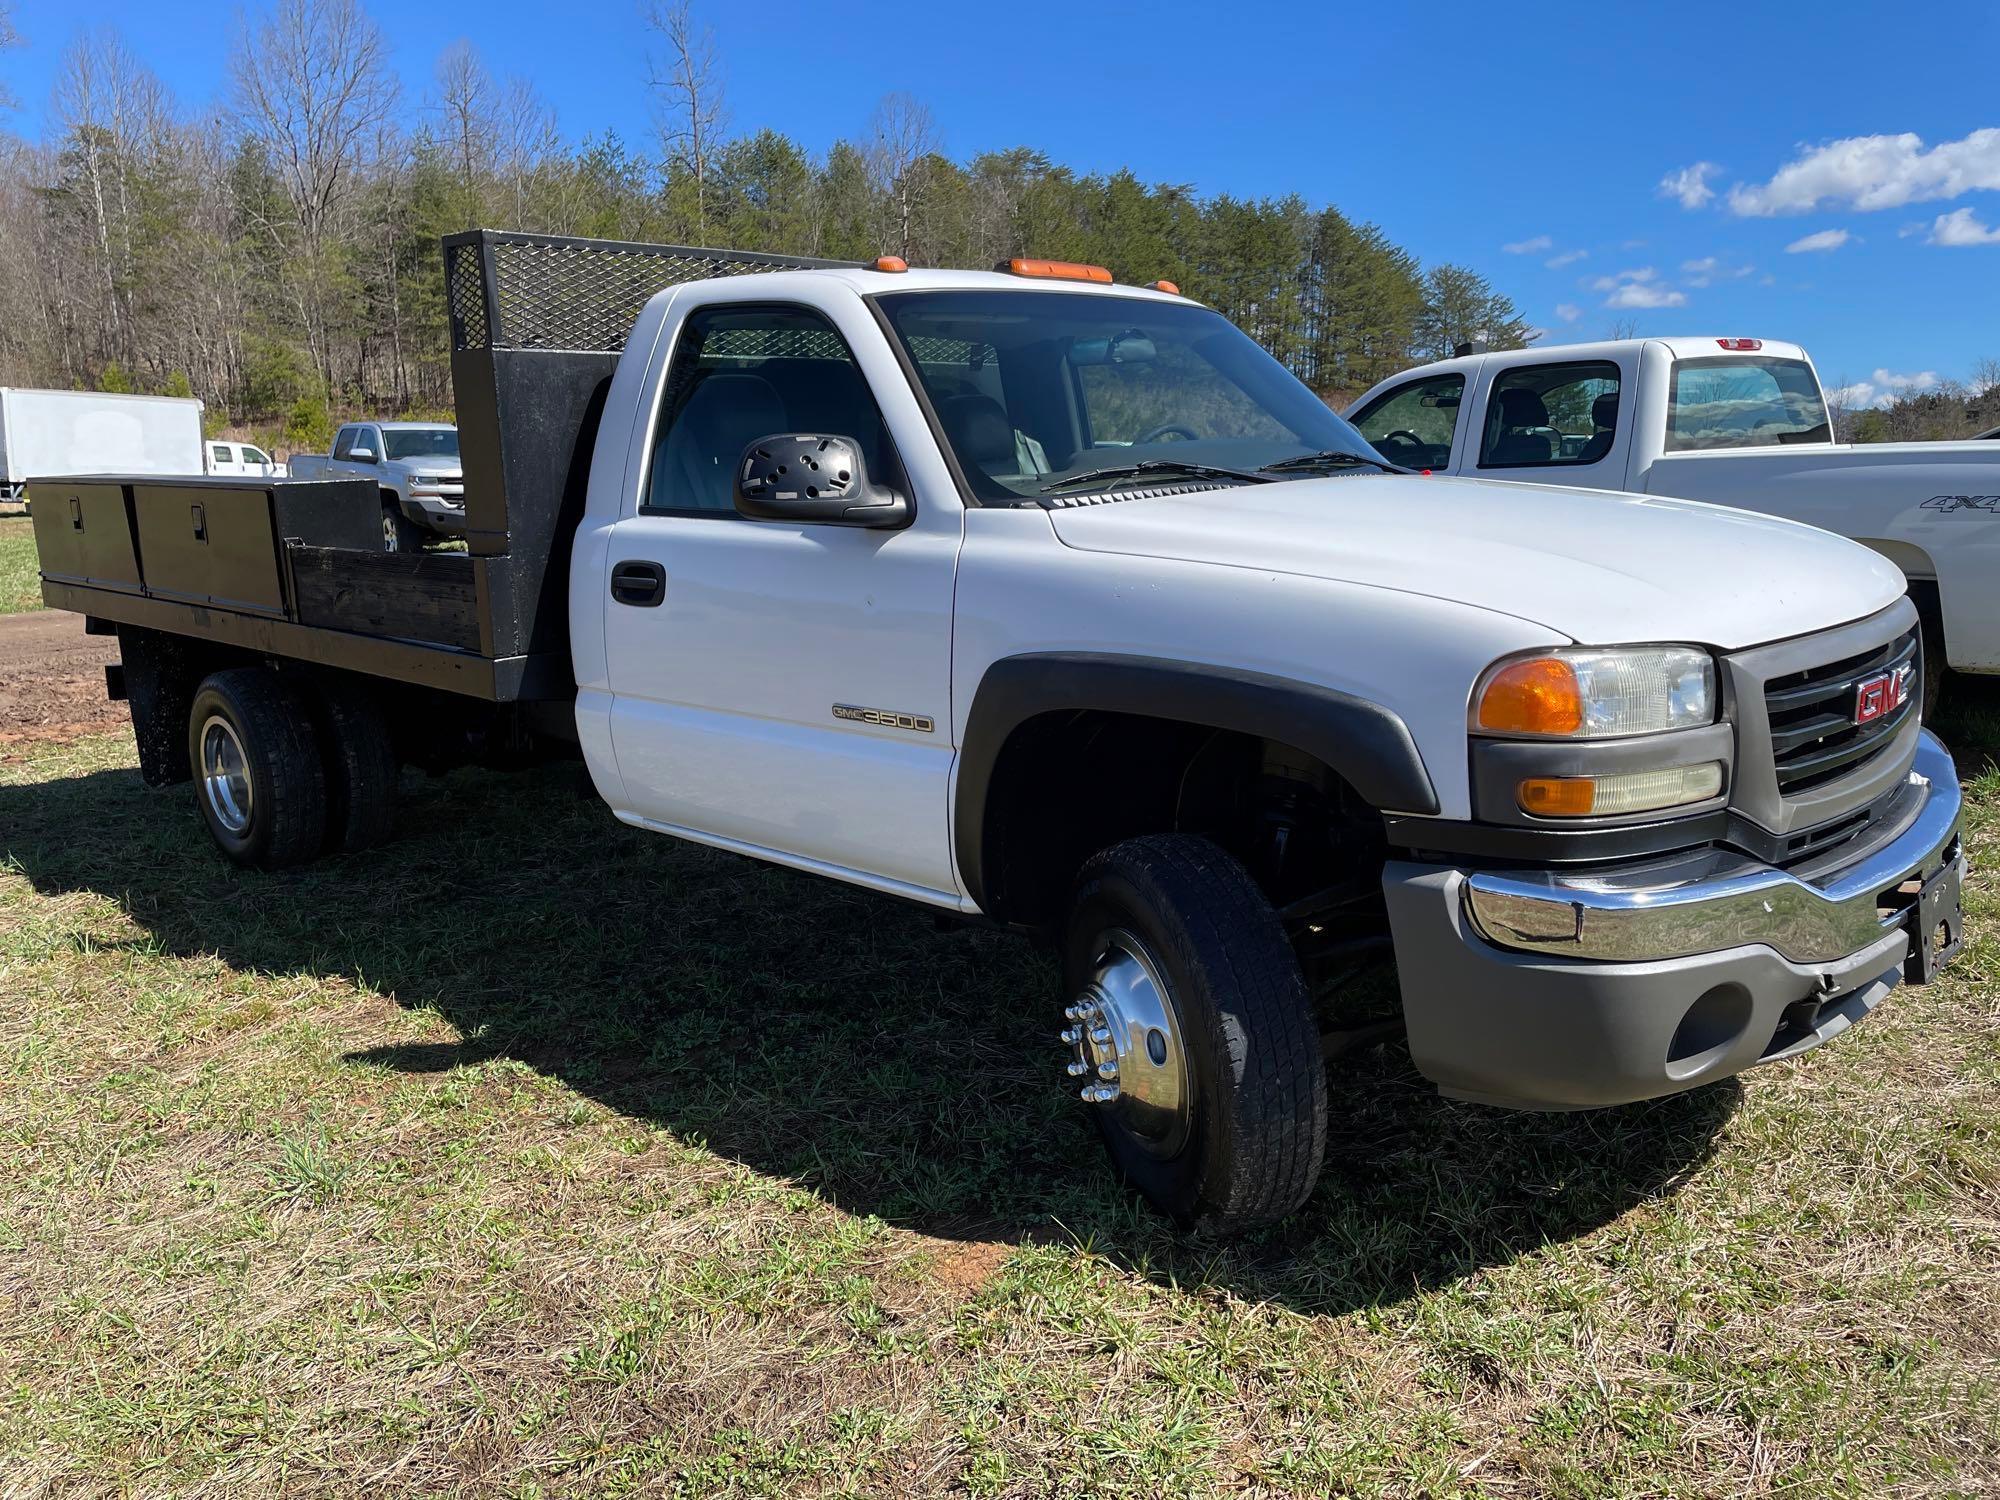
20	575
532	1155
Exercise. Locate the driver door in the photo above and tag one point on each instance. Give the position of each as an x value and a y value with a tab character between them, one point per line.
786	688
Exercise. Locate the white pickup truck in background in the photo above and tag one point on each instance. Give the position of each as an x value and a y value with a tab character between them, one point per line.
241	459
1735	421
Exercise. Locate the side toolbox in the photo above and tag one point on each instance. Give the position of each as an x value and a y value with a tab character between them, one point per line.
211	544
83	534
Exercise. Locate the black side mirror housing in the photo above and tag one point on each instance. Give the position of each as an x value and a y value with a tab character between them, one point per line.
814	477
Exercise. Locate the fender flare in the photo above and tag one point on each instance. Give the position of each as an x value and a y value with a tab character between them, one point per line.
1366	744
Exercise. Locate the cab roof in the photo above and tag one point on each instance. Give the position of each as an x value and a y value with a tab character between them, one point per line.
1681	346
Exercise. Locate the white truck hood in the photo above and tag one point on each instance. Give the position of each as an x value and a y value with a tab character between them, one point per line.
1599	567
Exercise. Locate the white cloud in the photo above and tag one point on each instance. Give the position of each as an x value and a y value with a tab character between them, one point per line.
1642	294
1962	227
1711	268
1534	246
1875	171
1569	312
1690	184
1567	258
1881	390
1826	239
1619	278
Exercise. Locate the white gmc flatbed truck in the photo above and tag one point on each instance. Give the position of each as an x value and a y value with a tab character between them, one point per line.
1733	421
1061	606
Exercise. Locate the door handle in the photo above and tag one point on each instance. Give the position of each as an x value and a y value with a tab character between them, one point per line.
643	584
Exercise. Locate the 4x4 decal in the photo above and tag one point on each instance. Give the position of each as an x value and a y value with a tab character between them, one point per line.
1987	503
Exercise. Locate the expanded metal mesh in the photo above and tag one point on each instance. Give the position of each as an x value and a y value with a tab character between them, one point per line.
584	295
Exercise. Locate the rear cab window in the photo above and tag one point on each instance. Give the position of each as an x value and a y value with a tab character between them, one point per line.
1413	424
1744	401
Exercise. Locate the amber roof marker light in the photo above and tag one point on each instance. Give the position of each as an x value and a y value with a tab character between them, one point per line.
891	263
1055	270
1165	286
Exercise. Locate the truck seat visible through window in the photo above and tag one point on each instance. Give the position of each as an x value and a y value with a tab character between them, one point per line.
695	468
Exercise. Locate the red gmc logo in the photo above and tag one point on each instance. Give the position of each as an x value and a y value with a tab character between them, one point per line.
1880	695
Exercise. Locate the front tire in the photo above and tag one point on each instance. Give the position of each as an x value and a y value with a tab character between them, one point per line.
1193	1035
399	532
257	773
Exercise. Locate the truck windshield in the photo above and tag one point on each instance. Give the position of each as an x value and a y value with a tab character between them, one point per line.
1742	401
1035	387
421	442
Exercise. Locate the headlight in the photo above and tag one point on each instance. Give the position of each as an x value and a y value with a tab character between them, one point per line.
1586	694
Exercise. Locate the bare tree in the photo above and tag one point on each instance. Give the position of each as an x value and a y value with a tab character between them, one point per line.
902	141
528	139
10	38
688	81
1622	328
312	88
113	118
467	100
1840	409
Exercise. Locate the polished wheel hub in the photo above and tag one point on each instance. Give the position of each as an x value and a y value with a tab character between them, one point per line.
225	774
1125	1044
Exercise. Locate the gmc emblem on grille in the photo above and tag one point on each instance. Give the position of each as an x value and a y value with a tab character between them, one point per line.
1878	696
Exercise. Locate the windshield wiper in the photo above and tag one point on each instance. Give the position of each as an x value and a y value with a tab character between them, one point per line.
1332	458
1152	466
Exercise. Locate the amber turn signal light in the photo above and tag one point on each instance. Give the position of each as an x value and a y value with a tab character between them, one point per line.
1536	696
1558	796
1057	270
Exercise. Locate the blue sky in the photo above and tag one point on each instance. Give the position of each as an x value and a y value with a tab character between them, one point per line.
1461	130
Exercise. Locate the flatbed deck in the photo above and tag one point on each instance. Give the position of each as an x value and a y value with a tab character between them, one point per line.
295	568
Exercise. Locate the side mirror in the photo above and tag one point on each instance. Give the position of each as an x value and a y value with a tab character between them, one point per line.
814	477
361	455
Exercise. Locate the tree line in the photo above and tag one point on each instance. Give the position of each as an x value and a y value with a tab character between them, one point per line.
1947	411
277	254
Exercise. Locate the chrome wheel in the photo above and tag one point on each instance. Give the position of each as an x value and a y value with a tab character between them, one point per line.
389	530
1125	1040
225	774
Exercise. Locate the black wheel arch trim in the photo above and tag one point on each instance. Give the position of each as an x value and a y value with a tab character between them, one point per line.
1363	742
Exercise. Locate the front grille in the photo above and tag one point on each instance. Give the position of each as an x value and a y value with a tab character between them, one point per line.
1814	739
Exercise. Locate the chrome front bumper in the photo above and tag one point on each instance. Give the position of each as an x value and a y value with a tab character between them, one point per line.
1717	899
1579	989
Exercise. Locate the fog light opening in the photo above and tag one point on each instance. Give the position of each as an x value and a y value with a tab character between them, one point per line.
1712	1025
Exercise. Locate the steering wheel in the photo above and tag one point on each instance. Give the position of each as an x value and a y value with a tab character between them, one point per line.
1406	435
1165	429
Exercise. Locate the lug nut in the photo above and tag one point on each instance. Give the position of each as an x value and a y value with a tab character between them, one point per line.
1098	1093
1101	1036
1078	1069
1071	1035
1107	1071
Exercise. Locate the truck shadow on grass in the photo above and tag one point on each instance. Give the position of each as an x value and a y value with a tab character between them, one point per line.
823	1034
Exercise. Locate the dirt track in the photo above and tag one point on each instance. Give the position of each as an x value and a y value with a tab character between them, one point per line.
52	678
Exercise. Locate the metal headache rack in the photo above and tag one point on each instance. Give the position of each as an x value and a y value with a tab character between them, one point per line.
537	324
544	291
295	569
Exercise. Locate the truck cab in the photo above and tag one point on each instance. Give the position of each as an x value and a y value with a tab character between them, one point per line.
226	457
